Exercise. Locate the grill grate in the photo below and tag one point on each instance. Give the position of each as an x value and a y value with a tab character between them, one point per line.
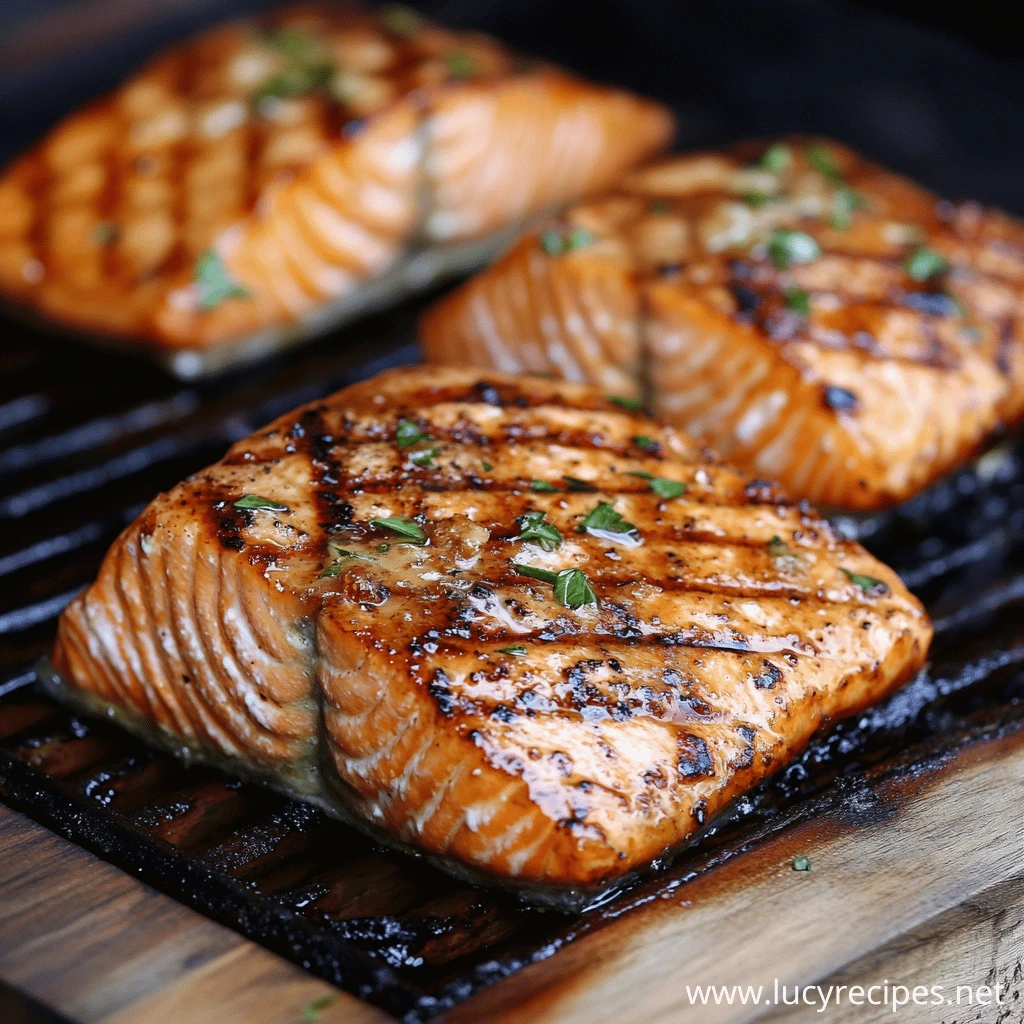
87	438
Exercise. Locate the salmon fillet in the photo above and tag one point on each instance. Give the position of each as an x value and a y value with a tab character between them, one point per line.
497	620
815	318
251	180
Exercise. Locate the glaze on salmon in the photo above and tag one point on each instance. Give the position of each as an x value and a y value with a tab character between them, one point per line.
816	319
251	178
498	620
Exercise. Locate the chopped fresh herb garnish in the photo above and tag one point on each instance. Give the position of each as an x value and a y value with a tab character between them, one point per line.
784	558
554	243
543	487
661	487
345	553
544	575
844	201
424	457
755	200
312	1010
606	523
572	588
798	300
821	159
213	281
777	158
633	404
104	233
660	206
382	548
309	65
403	21
648	444
461	64
486	467
578	238
801	863
403	527
925	263
786	247
551	242
516	650
876	588
332	570
255	502
579	486
533	528
407	434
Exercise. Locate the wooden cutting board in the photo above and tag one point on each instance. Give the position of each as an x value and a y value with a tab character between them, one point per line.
919	881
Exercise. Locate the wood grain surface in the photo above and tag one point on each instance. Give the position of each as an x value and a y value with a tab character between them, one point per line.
924	884
98	946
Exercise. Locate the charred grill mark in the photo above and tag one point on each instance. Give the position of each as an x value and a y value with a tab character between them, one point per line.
694	758
767	679
839	399
746	756
1004	347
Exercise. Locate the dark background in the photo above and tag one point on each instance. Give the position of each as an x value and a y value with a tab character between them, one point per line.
936	90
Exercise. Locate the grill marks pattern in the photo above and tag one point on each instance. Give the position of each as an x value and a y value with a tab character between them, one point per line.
681	263
566	766
296	146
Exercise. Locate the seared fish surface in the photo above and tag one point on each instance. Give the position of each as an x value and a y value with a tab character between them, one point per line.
815	318
251	177
499	620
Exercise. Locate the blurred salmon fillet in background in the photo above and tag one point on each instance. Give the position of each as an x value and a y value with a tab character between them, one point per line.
498	620
249	179
814	318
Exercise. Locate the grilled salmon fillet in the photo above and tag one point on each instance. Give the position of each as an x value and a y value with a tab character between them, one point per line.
815	318
497	620
247	182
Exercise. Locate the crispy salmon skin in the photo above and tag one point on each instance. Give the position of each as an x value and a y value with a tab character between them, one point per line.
268	170
502	621
813	317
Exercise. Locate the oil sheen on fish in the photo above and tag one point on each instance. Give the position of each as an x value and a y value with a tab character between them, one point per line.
249	180
815	318
500	621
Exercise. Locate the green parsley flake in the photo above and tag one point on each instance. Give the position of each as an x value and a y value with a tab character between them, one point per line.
784	558
777	158
253	502
405	528
844	202
798	300
403	21
633	404
461	64
755	200
516	650
574	483
645	443
543	487
532	527
424	457
572	588
486	467
104	233
213	282
871	586
607	524
554	243
925	263
801	863
661	487
312	1010
786	247
408	433
821	159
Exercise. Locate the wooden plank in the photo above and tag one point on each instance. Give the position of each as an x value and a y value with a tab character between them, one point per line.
980	943
98	946
915	852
